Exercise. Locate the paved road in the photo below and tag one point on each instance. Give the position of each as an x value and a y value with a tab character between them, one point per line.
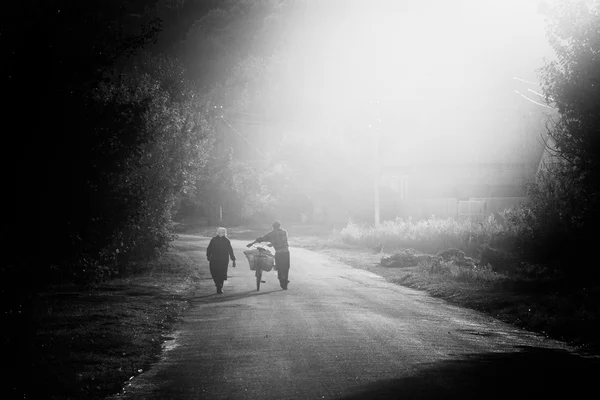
344	333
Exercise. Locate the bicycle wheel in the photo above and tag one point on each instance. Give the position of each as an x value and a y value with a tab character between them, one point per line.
258	278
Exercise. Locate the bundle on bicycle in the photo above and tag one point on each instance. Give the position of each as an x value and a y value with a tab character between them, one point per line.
260	259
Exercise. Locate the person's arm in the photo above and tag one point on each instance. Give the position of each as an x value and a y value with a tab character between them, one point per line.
231	255
267	238
261	239
209	249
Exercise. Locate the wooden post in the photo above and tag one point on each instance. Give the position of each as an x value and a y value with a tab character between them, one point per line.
377	219
377	165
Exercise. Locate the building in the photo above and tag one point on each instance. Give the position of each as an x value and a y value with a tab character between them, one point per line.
444	189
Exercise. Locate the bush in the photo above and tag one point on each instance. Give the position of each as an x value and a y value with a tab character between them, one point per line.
144	139
551	229
438	266
477	274
464	250
459	271
186	209
404	258
450	264
566	198
498	260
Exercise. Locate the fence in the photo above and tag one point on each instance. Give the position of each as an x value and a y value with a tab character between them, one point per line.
476	208
472	209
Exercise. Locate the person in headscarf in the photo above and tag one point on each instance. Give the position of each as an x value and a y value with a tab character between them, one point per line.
279	240
218	253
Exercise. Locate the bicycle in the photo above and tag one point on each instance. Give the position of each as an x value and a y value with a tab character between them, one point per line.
263	261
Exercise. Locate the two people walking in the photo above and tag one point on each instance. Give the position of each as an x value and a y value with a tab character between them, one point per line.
219	252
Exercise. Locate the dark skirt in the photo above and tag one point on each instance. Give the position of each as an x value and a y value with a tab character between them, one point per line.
218	270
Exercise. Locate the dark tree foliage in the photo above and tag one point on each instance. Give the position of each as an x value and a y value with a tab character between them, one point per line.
103	127
231	49
59	52
566	198
572	82
99	137
572	85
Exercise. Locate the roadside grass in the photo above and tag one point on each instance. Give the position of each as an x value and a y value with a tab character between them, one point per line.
547	305
90	343
436	234
237	232
299	234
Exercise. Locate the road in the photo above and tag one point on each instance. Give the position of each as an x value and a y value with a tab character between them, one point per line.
344	333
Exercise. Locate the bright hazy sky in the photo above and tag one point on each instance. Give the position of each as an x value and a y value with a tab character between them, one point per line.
443	69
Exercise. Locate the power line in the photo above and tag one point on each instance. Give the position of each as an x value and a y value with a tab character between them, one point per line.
533	101
523	80
539	94
533	91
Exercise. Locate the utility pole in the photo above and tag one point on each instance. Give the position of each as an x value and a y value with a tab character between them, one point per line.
376	161
376	187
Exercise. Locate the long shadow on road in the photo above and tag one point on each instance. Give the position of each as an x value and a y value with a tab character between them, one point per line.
533	373
220	298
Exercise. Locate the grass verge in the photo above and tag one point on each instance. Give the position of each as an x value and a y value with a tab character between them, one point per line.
564	311
299	234
90	343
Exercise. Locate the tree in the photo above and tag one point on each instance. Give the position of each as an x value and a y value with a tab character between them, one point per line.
111	135
236	50
572	85
155	155
98	148
229	184
566	197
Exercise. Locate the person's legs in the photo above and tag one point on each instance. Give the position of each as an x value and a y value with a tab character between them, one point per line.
279	265
222	275
287	268
283	266
216	271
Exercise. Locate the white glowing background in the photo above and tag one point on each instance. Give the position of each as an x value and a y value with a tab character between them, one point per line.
442	69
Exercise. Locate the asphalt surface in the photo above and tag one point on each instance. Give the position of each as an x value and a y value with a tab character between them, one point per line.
344	333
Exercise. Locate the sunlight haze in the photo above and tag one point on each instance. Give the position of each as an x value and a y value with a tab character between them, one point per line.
442	70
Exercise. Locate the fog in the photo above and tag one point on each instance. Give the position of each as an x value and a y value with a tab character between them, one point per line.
442	71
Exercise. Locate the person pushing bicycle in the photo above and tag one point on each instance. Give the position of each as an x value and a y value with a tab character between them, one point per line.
279	240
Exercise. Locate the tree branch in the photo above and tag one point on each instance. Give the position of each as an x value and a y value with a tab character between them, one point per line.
533	101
